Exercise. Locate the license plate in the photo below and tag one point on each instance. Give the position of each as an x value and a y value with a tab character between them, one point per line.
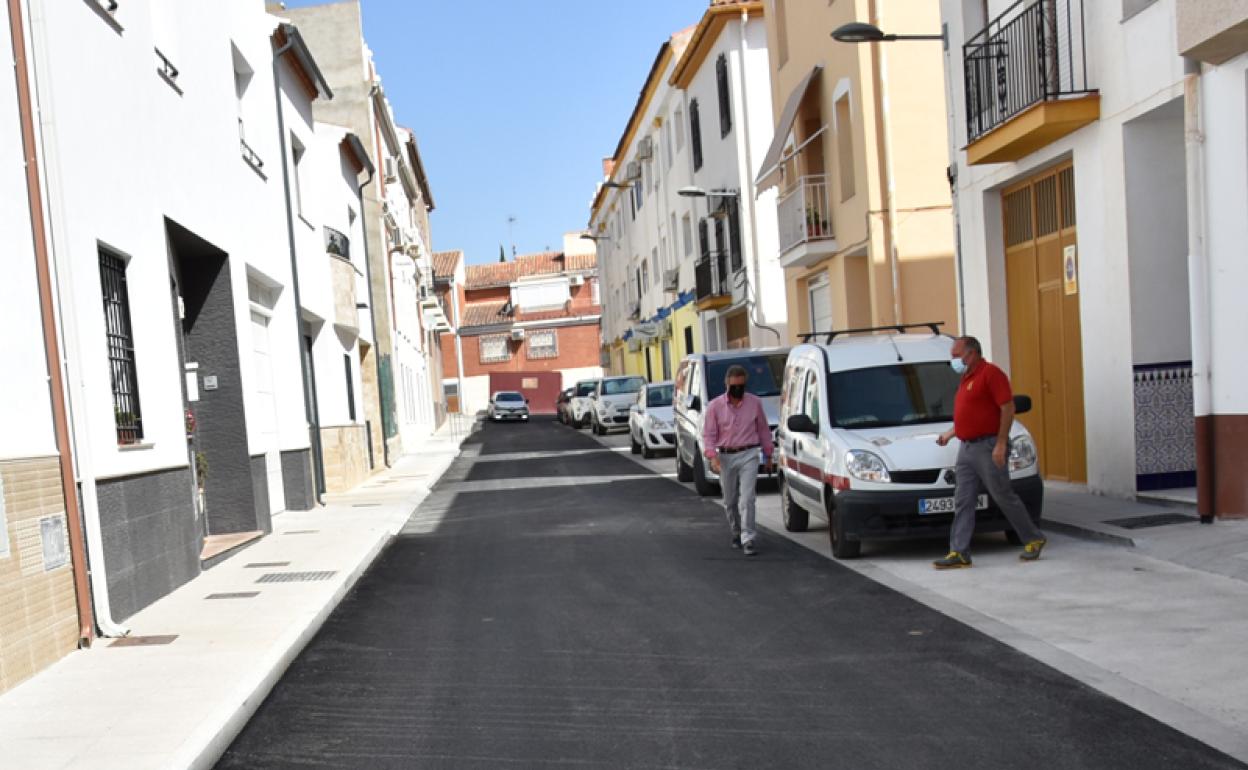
929	505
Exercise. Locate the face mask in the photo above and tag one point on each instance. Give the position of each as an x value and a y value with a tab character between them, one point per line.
736	391
958	365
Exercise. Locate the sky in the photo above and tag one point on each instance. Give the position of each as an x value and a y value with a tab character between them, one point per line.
514	105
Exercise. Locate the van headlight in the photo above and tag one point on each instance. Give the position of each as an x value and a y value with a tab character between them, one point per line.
1022	453
866	466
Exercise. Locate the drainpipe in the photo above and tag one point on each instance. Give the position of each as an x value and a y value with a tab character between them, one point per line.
1198	295
746	183
65	365
372	316
51	346
313	431
879	68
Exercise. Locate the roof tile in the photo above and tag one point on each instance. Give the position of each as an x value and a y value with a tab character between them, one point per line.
445	262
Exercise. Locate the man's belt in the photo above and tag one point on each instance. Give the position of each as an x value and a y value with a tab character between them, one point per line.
732	450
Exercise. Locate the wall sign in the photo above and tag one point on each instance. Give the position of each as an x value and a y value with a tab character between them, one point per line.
1070	270
55	542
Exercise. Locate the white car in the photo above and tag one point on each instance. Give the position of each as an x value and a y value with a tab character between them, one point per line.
650	421
580	405
611	402
508	405
859	418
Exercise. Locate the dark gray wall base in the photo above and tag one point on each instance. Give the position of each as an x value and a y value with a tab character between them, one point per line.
297	480
151	537
260	487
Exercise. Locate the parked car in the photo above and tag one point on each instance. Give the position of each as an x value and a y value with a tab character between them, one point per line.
561	404
857	441
611	402
580	405
650	425
508	405
699	379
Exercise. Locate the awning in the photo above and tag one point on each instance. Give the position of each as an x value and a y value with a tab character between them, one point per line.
771	161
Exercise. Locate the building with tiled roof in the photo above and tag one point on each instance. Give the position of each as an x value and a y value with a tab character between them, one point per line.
529	324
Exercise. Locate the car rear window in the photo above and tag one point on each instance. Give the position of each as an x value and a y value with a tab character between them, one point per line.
617	387
766	372
585	388
888	396
659	396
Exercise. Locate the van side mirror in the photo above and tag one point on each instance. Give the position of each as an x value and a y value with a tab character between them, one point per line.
801	423
1022	404
695	404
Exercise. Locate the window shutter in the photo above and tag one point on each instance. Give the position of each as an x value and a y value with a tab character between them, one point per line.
734	232
725	99
695	134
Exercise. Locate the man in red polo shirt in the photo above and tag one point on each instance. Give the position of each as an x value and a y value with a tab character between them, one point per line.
983	413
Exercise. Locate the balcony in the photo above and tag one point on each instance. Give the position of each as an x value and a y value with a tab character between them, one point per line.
1026	77
804	217
342	278
712	289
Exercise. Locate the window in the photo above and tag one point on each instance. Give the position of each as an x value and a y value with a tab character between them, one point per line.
764	373
812	397
725	97
645	277
450	389
543	343
667	146
118	329
297	151
678	118
658	266
618	387
888	396
704	239
845	147
639	283
688	340
686	231
695	134
495	348
633	204
734	233
346	360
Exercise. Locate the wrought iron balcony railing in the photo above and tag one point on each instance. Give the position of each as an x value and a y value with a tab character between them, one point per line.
1035	51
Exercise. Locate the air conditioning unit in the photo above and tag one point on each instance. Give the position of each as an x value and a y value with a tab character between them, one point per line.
578	280
391	168
632	172
671	279
517	334
645	148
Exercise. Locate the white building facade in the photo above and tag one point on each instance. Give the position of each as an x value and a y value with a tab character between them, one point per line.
1101	234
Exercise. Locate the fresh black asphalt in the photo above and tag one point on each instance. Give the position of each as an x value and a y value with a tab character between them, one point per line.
611	625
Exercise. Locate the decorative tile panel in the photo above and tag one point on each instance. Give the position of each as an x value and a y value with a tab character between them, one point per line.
1165	425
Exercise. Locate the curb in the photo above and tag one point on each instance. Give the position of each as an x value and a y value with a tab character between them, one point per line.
1084	532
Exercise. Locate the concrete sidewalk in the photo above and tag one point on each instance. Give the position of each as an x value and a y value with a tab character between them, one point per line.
178	703
1153	616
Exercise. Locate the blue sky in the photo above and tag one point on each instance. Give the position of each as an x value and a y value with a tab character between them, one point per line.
514	105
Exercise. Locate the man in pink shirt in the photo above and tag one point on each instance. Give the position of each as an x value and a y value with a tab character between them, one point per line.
734	429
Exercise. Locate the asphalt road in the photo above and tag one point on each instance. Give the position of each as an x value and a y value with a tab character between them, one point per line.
546	622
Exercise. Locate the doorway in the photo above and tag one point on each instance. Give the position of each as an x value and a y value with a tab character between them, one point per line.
1046	338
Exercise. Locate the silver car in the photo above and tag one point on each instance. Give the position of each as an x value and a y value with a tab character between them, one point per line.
508	405
611	402
650	423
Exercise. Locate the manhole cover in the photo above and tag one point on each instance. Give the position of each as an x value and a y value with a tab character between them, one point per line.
234	595
296	577
1151	520
143	641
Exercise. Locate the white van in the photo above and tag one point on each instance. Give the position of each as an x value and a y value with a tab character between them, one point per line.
859	418
699	379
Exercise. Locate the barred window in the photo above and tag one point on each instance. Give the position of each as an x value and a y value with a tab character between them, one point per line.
543	344
495	348
725	100
118	328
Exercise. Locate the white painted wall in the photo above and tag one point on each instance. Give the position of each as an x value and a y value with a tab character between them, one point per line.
25	409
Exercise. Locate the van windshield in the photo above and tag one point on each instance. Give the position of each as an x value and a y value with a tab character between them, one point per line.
766	372
888	396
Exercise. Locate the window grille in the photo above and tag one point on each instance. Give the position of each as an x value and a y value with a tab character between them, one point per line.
495	349
543	343
337	244
695	134
125	380
346	360
725	99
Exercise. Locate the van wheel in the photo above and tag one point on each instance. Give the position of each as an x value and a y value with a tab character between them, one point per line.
705	486
796	519
633	446
1012	537
683	471
842	548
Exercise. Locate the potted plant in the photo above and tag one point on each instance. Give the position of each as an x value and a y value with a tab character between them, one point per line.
816	223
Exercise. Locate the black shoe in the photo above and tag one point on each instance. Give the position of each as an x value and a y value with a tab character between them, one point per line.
736	541
749	549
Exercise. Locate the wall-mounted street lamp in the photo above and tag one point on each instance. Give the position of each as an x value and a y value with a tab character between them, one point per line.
858	32
592	237
697	192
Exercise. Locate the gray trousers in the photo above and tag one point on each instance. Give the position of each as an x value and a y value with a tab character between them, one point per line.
976	473
738	478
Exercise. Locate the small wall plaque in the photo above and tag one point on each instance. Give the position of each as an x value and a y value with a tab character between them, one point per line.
210	382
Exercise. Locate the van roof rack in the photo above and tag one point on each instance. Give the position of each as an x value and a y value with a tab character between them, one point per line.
934	326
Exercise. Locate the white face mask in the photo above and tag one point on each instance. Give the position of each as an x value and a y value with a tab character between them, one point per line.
958	365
